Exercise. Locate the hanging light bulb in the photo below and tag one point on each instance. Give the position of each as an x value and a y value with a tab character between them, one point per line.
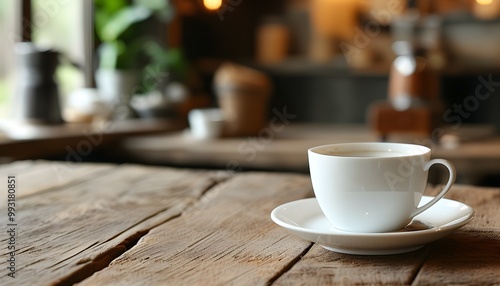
484	2
486	9
212	4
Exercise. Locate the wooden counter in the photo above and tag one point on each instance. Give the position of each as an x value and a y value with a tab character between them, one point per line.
104	224
286	149
29	141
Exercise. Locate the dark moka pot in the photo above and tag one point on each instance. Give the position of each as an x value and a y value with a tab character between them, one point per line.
37	92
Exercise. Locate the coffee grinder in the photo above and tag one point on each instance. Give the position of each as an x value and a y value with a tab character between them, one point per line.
413	94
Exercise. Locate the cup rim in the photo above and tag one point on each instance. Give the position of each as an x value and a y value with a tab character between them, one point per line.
355	146
212	114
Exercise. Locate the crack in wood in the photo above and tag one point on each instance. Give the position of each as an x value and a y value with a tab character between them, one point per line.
101	261
207	193
289	265
413	278
140	222
81	251
199	241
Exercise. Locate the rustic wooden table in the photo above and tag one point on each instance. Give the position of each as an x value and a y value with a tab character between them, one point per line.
105	224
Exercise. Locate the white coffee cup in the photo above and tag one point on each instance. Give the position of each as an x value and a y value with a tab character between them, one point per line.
206	123
372	187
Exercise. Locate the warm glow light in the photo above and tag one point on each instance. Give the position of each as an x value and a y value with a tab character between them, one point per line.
484	2
212	4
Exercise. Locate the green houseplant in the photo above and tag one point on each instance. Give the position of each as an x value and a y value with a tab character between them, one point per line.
132	58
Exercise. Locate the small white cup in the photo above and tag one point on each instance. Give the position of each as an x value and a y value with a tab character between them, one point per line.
206	123
372	187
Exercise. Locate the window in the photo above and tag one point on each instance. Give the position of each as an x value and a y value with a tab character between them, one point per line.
6	54
62	25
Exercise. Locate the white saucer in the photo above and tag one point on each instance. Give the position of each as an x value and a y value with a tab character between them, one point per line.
305	219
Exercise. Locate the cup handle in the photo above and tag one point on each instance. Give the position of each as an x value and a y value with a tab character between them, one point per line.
451	180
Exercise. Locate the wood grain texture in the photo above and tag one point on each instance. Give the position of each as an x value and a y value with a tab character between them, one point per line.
39	176
226	239
322	267
463	258
67	233
104	224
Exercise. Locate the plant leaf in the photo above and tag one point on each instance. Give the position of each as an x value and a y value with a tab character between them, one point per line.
162	9
155	5
110	7
104	10
122	20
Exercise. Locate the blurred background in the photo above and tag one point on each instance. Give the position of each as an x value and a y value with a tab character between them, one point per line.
389	65
328	59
